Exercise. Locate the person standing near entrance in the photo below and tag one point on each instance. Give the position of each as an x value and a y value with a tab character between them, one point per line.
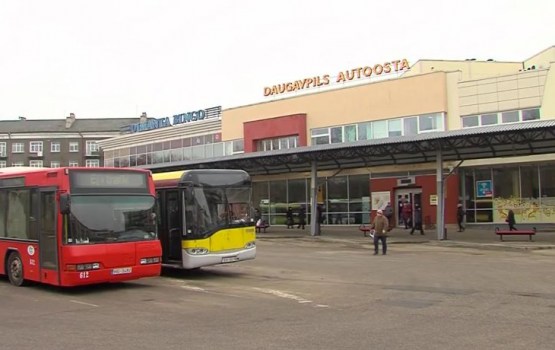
388	213
511	220
407	215
302	218
417	220
289	218
380	226
460	217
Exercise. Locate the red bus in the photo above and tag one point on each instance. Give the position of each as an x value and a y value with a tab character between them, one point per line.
77	226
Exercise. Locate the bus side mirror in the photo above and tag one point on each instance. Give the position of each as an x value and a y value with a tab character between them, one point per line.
64	203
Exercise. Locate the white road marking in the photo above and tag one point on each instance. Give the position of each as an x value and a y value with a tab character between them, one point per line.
83	303
285	295
198	289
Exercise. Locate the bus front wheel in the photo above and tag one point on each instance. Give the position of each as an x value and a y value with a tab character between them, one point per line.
15	269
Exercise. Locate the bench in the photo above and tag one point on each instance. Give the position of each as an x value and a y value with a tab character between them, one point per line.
502	233
264	226
365	230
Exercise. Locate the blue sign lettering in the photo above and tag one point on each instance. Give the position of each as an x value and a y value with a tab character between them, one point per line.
183	118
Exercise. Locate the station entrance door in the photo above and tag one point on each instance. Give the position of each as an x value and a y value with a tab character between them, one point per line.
403	196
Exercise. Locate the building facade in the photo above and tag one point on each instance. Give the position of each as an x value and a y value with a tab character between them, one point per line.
433	96
56	143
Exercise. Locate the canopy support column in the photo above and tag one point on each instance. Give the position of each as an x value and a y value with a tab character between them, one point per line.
440	226
314	222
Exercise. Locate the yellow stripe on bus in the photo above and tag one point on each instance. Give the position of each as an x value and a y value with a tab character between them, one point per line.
172	175
228	239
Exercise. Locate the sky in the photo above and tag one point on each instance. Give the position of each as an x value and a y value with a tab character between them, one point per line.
117	59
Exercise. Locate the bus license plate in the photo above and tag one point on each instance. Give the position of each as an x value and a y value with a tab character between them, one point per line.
229	259
122	271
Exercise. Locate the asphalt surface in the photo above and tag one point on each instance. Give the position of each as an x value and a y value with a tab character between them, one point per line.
305	293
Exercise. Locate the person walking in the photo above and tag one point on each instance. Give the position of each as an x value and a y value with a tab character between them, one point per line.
388	213
289	217
302	218
511	220
380	226
417	220
407	215
460	217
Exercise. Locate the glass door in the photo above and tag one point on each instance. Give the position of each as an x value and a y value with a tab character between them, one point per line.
406	199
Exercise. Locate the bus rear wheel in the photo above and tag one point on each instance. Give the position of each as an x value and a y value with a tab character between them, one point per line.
15	269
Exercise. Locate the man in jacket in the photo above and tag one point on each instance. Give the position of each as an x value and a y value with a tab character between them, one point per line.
417	220
380	226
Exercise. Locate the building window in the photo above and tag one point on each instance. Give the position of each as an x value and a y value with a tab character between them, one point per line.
488	119
74	146
35	163
509	117
92	148
365	131
336	134
410	126
278	143
55	164
3	164
379	129
17	164
470	121
531	114
73	163
2	149
92	163
18	147
501	117
430	122
320	136
35	146
55	147
238	146
395	127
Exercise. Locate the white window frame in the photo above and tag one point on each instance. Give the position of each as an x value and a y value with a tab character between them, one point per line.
35	146
55	147
36	163
74	147
18	164
73	163
92	163
3	164
3	149
18	147
55	164
92	148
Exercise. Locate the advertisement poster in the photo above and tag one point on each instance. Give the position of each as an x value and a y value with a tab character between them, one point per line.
380	199
484	189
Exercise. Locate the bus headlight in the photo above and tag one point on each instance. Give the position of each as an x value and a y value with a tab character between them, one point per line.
250	245
153	260
197	251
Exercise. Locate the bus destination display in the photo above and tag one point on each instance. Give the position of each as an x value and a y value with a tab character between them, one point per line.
91	179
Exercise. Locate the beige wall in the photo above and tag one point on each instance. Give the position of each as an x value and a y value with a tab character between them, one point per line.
548	98
509	92
380	100
469	70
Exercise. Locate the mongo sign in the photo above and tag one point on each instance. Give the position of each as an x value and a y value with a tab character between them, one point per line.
342	77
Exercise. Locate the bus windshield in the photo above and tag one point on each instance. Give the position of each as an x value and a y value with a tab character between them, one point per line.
102	219
214	208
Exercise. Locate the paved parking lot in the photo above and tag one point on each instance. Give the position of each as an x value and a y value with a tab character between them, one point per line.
303	294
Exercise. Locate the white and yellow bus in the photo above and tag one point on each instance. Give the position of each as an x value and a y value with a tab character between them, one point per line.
205	217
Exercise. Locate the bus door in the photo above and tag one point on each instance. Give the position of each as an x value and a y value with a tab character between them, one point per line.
171	237
46	224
